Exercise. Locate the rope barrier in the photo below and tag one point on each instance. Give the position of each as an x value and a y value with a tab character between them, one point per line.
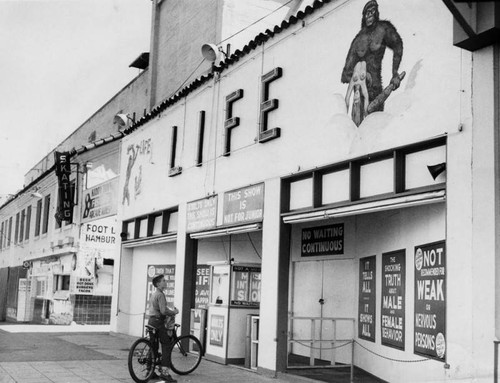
323	348
391	359
123	312
367	349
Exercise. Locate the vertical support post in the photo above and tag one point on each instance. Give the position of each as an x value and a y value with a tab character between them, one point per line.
352	361
334	354
313	331
352	350
495	362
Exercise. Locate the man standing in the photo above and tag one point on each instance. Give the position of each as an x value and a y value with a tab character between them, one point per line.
162	318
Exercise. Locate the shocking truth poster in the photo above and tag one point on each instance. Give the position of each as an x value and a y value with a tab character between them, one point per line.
392	321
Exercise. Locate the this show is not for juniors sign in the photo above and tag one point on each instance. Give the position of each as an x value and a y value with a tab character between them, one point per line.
430	301
244	205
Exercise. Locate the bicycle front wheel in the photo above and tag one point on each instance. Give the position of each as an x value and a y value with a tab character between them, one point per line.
141	360
185	354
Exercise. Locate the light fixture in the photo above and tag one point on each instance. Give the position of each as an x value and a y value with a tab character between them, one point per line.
122	119
437	169
131	243
86	167
368	207
212	52
35	193
226	231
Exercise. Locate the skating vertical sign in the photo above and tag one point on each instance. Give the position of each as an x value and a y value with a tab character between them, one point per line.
392	313
430	301
63	172
366	319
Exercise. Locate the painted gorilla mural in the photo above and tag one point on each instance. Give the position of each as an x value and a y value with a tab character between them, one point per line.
363	66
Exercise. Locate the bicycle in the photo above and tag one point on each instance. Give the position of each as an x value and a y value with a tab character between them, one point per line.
144	356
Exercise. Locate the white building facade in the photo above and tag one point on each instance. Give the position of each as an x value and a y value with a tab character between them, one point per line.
324	225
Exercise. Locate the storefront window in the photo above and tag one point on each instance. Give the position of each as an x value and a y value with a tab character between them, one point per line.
62	282
416	167
41	287
245	289
101	171
143	228
301	194
376	178
220	285
172	221
157	222
130	228
46	214
335	187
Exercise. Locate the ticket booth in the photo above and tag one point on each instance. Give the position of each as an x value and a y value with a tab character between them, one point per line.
235	294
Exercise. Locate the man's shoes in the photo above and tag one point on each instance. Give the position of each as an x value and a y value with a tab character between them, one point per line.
167	378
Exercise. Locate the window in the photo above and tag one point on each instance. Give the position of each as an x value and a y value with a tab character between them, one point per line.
6	234
159	223
28	222
9	238
16	233
73	197
41	287
21	230
62	282
58	223
301	194
1	236
38	217
46	214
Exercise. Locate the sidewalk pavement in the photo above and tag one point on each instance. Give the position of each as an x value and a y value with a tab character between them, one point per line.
104	361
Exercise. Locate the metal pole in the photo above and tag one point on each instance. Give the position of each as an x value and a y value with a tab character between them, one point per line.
495	368
352	361
313	332
352	351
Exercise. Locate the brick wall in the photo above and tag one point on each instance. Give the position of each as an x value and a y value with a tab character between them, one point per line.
183	27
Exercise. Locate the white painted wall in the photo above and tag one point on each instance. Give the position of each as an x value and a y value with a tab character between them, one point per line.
315	129
133	283
433	99
367	235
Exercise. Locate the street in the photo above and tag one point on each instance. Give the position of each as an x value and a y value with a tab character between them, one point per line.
29	355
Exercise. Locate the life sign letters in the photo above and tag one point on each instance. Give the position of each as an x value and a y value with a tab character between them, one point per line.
63	172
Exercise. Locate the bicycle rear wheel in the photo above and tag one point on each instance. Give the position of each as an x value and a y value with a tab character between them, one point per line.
185	354
141	360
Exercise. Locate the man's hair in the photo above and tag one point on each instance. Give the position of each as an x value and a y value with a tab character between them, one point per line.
157	280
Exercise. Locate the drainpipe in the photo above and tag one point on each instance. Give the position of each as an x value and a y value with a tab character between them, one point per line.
153	52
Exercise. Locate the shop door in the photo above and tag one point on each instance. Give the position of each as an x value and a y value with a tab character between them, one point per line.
323	292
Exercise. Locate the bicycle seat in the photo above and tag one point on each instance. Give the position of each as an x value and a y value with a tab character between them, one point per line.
151	328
